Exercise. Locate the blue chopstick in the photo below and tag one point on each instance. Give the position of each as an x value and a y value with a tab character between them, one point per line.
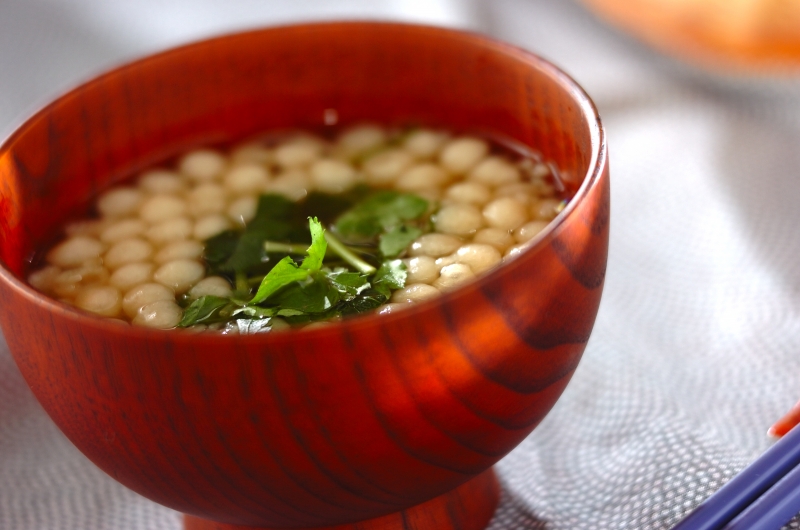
774	508
743	489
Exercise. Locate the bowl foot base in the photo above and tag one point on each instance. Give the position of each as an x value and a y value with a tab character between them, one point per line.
468	507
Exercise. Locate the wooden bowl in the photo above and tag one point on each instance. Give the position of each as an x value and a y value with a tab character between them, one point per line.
394	420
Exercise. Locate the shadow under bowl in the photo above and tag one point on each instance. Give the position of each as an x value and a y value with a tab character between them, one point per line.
372	419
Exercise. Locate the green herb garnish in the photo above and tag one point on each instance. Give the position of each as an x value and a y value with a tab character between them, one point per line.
203	309
378	214
302	282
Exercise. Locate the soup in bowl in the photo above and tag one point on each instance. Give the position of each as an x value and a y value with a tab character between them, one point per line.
377	417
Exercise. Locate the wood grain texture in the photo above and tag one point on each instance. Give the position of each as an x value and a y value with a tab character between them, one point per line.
341	424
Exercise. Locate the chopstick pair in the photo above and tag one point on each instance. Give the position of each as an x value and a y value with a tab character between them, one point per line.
765	496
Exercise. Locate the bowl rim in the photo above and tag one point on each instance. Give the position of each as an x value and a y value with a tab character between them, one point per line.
598	162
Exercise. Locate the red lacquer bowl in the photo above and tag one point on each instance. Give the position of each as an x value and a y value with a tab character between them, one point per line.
391	420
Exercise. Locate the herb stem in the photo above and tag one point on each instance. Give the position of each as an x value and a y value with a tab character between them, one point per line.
242	285
334	245
287	248
348	255
255	280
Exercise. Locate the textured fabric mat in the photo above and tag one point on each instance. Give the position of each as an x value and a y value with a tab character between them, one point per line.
696	347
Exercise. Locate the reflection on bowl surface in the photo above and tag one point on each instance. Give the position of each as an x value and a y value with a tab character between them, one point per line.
354	421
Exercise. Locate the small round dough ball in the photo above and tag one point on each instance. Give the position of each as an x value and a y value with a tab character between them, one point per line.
546	209
161	181
279	324
162	207
119	202
425	143
415	292
494	171
124	229
252	153
129	276
75	251
523	192
203	165
162	314
543	188
211	286
44	278
360	139
180	275
505	213
92	272
384	168
207	199
422	177
498	238
298	152
479	257
458	219
143	294
66	283
86	227
421	269
243	209
516	250
187	249
246	178
432	195
210	225
453	275
127	251
103	300
529	230
468	193
170	230
332	176
539	171
434	245
444	261
391	307
293	185
462	154
317	325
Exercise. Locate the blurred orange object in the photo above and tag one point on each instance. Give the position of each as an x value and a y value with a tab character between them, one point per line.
786	423
737	36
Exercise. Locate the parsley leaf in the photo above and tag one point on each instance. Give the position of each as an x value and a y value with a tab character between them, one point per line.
348	284
250	326
316	252
379	213
328	206
271	223
254	311
391	276
366	301
397	239
281	275
286	270
203	309
312	297
382	224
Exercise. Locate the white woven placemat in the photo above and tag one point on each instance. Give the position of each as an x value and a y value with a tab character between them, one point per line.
697	345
